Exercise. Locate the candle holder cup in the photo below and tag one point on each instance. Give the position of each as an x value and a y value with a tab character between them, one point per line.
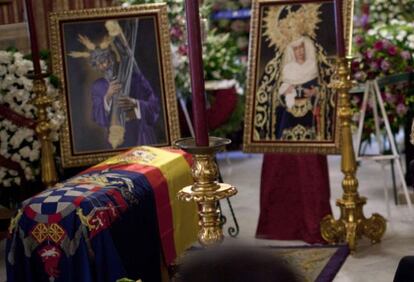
206	191
352	223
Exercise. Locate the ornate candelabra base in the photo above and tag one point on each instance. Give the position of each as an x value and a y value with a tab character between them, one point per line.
352	223
205	191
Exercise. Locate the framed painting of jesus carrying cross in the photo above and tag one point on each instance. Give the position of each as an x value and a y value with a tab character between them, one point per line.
114	65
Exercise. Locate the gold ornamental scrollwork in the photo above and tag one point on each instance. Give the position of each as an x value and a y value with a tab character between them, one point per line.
374	227
298	133
224	191
210	232
205	191
205	170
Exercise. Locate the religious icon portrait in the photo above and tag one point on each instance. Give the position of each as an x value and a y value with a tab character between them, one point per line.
115	69
290	106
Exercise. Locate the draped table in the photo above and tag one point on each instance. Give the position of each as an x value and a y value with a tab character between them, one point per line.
118	219
294	197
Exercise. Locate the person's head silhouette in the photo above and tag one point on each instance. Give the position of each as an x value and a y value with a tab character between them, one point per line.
233	264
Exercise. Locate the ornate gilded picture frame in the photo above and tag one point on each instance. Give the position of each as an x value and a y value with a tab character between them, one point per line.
115	69
289	105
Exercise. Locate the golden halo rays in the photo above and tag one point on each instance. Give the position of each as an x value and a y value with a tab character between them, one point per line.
302	22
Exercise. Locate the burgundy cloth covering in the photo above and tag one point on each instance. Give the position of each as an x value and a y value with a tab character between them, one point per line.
225	101
294	197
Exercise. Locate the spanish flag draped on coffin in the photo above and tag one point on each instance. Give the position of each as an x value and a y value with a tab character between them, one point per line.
117	219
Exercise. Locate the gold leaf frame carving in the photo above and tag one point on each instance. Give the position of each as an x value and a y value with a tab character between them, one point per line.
167	86
253	143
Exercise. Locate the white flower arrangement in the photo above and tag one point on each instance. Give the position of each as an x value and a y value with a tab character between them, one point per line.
385	11
399	32
19	144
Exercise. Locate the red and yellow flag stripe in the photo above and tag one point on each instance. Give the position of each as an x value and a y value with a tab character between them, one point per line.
168	171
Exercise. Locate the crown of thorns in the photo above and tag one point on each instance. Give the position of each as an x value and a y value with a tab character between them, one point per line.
96	52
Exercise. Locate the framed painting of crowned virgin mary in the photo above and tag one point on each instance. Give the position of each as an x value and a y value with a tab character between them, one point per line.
289	104
115	69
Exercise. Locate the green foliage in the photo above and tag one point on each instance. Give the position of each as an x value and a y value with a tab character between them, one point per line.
238	28
44	54
220	57
12	49
54	80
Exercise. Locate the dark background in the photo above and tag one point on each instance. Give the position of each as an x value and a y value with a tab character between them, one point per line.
87	136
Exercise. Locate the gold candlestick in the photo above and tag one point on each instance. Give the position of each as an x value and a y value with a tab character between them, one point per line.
205	191
352	223
42	101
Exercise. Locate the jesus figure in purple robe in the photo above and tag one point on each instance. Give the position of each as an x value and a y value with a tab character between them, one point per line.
141	107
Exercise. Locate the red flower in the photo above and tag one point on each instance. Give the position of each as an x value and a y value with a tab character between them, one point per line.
355	66
379	45
176	32
359	40
183	49
392	50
